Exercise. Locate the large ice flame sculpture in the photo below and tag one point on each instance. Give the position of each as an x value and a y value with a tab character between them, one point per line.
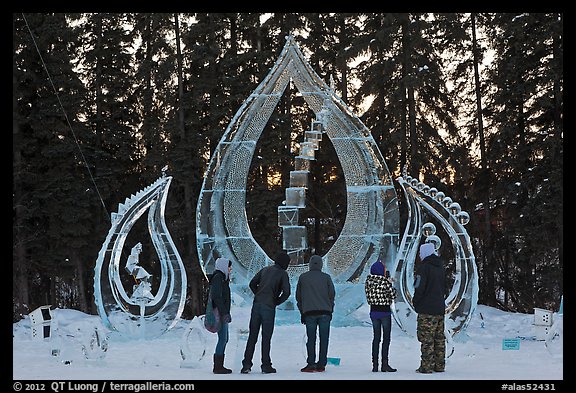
371	229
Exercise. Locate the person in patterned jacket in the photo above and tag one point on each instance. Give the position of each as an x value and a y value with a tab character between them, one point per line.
380	294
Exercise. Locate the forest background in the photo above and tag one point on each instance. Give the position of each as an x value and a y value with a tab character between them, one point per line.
469	103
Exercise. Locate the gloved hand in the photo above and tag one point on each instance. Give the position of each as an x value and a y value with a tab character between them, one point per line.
227	318
302	320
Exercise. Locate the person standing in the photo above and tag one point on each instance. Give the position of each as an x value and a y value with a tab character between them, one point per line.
220	291
271	287
380	294
428	301
315	296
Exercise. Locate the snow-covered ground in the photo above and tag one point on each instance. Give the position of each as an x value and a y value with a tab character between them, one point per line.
478	354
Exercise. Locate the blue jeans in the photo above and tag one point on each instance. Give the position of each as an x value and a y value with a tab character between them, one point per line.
260	316
381	328
322	323
222	339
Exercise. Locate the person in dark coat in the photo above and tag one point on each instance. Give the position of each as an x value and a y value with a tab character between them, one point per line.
220	290
379	295
428	301
315	296
271	287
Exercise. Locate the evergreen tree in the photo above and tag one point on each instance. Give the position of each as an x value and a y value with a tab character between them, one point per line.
106	67
155	90
411	112
481	186
53	194
525	152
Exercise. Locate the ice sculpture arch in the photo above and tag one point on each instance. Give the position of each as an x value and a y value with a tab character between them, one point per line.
371	229
462	300
144	317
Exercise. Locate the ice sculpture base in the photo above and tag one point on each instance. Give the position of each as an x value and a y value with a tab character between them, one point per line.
348	311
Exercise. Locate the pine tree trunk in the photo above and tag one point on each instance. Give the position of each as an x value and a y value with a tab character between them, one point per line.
404	112
81	279
19	261
558	131
489	268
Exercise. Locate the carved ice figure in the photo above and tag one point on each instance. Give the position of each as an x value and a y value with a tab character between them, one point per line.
193	344
95	346
133	258
142	291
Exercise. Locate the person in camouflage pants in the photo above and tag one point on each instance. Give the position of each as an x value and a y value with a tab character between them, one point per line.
432	342
428	301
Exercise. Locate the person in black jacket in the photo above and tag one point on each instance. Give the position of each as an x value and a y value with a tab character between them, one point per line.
220	290
428	301
315	295
271	287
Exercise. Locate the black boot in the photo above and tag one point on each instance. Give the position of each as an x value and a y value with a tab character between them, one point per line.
219	365
386	368
374	364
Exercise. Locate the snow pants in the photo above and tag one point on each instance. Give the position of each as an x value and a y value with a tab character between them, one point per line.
430	332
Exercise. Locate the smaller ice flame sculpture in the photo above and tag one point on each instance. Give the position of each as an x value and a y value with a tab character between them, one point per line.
423	201
142	314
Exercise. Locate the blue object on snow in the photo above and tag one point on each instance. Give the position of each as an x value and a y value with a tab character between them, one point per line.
510	343
334	361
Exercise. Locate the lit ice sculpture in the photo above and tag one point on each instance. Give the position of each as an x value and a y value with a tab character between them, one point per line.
462	300
371	229
141	314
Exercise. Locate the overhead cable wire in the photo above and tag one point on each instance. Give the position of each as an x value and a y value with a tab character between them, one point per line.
66	116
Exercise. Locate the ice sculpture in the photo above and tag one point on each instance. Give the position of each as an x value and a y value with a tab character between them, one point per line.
462	300
142	291
193	344
371	229
141	314
96	346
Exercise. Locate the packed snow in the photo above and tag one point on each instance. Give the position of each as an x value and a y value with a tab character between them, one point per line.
496	345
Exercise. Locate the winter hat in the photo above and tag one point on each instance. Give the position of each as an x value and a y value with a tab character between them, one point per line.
282	259
315	262
426	249
377	268
222	265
